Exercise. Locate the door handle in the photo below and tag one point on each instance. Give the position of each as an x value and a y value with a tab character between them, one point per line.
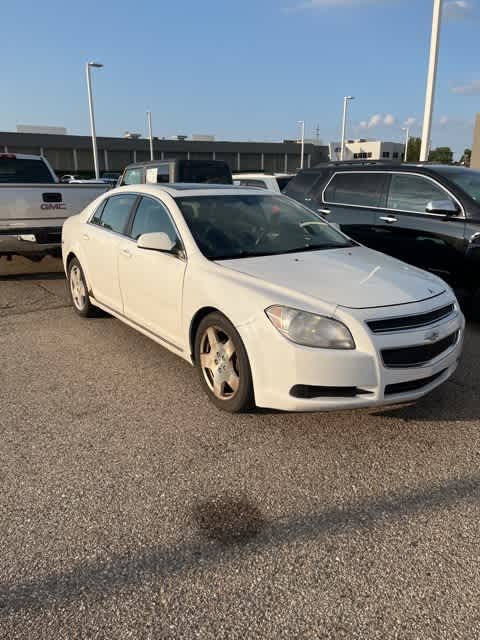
127	253
324	212
85	236
388	219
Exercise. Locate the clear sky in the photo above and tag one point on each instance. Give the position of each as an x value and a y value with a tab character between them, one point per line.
241	70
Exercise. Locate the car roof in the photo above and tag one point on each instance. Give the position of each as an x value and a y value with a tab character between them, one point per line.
194	189
379	166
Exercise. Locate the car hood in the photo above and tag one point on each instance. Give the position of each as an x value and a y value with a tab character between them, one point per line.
355	277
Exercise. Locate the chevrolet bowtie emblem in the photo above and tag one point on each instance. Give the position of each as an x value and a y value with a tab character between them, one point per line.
432	336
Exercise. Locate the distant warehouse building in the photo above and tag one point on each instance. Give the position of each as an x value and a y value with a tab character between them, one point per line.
368	150
73	154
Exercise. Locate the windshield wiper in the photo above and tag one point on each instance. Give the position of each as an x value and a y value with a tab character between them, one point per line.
320	247
241	254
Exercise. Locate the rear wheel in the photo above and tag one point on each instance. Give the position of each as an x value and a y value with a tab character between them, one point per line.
222	363
79	291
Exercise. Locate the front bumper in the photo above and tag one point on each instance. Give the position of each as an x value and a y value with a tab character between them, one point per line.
280	366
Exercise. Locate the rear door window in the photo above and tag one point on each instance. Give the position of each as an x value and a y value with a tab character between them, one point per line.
114	214
360	189
413	193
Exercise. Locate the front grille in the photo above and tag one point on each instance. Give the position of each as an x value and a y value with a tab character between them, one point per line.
416	356
411	385
311	391
402	323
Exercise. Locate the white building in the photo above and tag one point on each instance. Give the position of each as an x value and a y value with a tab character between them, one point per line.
367	150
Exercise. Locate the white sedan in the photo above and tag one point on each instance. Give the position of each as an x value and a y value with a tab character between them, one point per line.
274	306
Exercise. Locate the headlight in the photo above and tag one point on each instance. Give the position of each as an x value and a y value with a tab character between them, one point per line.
310	330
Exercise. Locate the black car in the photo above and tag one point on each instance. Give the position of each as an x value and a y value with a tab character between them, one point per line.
425	214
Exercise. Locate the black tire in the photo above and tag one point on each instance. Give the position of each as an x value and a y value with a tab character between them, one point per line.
226	368
84	308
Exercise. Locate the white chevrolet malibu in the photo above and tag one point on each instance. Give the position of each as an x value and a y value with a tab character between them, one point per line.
274	306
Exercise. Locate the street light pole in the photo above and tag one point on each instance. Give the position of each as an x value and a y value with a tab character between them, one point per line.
149	119
407	139
344	125
88	67
302	140
431	78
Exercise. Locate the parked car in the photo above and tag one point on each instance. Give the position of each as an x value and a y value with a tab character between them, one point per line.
170	171
68	177
427	215
111	177
33	205
271	181
271	304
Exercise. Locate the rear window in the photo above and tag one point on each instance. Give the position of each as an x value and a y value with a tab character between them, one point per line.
17	171
207	172
361	189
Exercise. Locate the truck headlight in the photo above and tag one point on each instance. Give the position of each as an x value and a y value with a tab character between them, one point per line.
310	330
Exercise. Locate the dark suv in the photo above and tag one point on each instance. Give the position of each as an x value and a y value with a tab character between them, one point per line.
167	171
427	215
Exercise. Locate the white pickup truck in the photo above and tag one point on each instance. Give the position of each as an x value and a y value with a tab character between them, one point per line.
34	205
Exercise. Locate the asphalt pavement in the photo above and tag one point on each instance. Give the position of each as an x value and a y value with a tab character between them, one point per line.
130	507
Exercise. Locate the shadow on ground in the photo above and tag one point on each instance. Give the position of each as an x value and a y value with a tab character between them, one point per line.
243	528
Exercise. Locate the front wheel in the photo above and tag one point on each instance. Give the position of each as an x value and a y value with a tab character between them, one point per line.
79	290
222	363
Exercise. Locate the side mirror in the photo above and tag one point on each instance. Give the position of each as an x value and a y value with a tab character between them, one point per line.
158	241
445	207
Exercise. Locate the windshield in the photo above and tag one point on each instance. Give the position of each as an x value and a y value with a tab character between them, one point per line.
466	179
241	226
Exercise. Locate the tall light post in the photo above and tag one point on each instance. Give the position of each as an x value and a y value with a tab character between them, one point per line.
407	139
149	120
346	100
88	68
302	140
431	78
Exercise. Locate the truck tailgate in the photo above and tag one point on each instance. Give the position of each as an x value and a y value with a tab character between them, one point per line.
30	206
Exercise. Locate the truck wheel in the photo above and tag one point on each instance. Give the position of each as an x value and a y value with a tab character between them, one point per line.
223	365
79	291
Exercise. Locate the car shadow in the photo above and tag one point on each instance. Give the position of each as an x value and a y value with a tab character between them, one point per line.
230	525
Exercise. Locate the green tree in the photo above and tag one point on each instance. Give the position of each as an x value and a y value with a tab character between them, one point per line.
466	157
413	153
443	155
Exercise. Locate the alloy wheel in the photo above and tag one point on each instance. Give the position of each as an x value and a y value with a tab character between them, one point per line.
77	287
219	363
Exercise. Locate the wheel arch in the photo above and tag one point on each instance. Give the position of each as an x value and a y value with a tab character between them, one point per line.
194	324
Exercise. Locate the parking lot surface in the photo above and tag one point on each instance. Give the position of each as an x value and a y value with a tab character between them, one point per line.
132	508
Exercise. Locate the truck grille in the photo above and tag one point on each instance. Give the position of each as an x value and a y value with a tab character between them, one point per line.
417	356
402	323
